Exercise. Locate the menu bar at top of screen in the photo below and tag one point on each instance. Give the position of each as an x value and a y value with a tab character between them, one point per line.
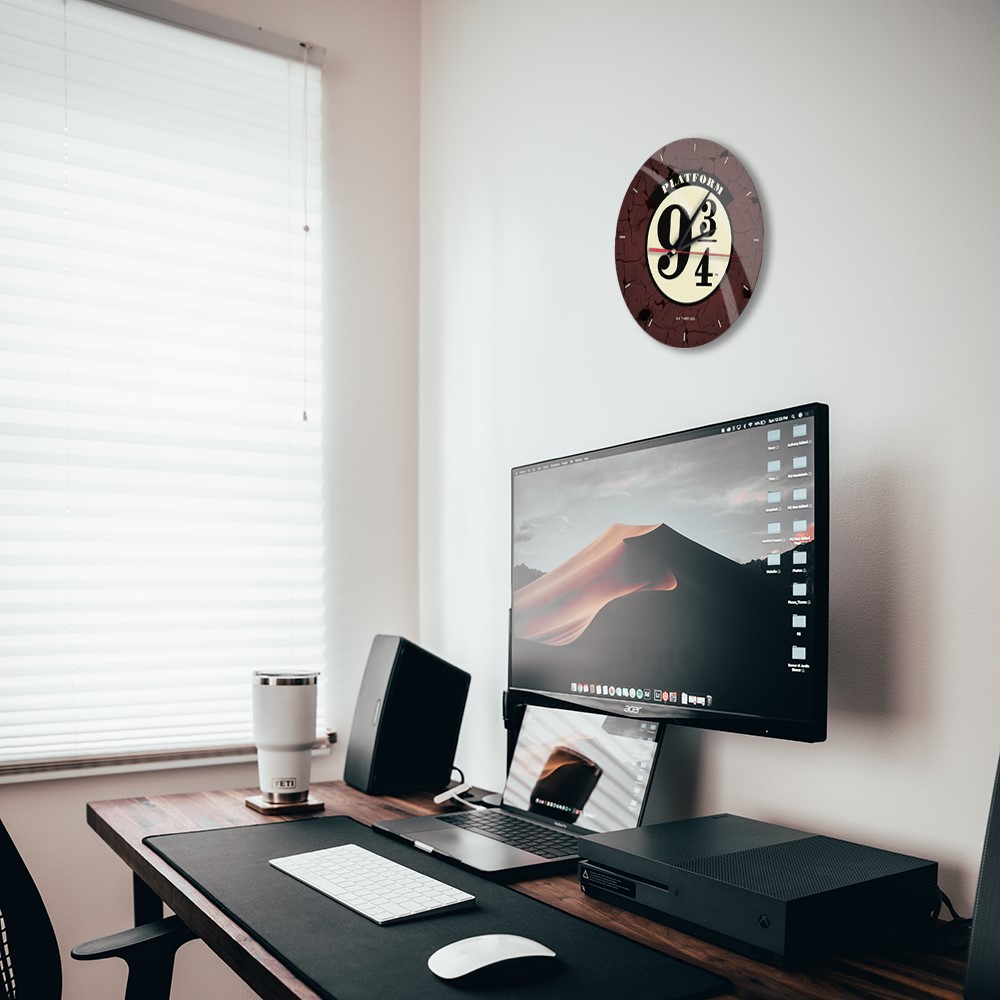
783	416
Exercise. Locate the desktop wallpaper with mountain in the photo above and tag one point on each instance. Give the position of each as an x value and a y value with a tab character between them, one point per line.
667	568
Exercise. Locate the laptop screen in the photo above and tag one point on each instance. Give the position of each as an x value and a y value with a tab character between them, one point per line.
588	772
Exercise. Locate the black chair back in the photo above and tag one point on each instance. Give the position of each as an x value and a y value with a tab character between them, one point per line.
982	975
29	954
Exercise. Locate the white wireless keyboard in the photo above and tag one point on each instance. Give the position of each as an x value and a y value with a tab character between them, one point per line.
371	885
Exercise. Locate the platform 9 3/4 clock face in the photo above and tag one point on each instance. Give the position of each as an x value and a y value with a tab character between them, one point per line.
689	243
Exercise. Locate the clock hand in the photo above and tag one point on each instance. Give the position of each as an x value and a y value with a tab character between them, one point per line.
686	240
687	250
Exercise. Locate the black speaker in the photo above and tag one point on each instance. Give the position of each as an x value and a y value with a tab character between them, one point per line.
982	974
406	721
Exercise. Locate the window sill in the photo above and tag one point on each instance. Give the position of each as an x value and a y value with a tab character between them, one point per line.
152	761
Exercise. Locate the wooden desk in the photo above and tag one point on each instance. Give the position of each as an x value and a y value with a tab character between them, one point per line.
887	974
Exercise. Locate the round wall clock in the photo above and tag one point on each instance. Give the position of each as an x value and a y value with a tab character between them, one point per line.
689	243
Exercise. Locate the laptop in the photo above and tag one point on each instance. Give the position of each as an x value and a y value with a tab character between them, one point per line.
571	774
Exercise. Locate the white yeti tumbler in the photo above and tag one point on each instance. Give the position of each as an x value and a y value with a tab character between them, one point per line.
284	729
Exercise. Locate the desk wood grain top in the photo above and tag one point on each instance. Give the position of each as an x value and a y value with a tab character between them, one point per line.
883	974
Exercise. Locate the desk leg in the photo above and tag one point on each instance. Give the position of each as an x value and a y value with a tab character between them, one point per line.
146	905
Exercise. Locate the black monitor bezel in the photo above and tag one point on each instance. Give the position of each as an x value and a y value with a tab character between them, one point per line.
806	730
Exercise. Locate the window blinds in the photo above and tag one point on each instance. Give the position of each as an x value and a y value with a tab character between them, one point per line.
161	501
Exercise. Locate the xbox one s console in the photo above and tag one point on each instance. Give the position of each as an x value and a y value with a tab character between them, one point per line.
778	895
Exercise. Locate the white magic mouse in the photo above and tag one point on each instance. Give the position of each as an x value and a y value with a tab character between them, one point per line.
496	952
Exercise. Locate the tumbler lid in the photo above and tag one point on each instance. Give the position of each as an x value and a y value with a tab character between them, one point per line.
283	677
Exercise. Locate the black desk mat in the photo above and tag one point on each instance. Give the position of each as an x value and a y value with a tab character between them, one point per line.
344	956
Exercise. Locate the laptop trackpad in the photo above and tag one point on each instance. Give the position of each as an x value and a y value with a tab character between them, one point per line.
474	849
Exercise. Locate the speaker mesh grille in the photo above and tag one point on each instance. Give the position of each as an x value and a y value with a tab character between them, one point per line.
802	867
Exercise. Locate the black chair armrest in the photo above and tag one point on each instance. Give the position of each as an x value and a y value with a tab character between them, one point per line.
168	934
148	950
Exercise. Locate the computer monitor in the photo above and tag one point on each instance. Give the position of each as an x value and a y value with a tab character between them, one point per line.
682	577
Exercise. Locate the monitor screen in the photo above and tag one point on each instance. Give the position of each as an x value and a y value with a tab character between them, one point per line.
682	577
584	770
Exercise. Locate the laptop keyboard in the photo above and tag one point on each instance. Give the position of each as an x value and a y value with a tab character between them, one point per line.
516	832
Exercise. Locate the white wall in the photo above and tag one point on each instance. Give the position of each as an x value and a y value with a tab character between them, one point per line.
371	117
866	126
